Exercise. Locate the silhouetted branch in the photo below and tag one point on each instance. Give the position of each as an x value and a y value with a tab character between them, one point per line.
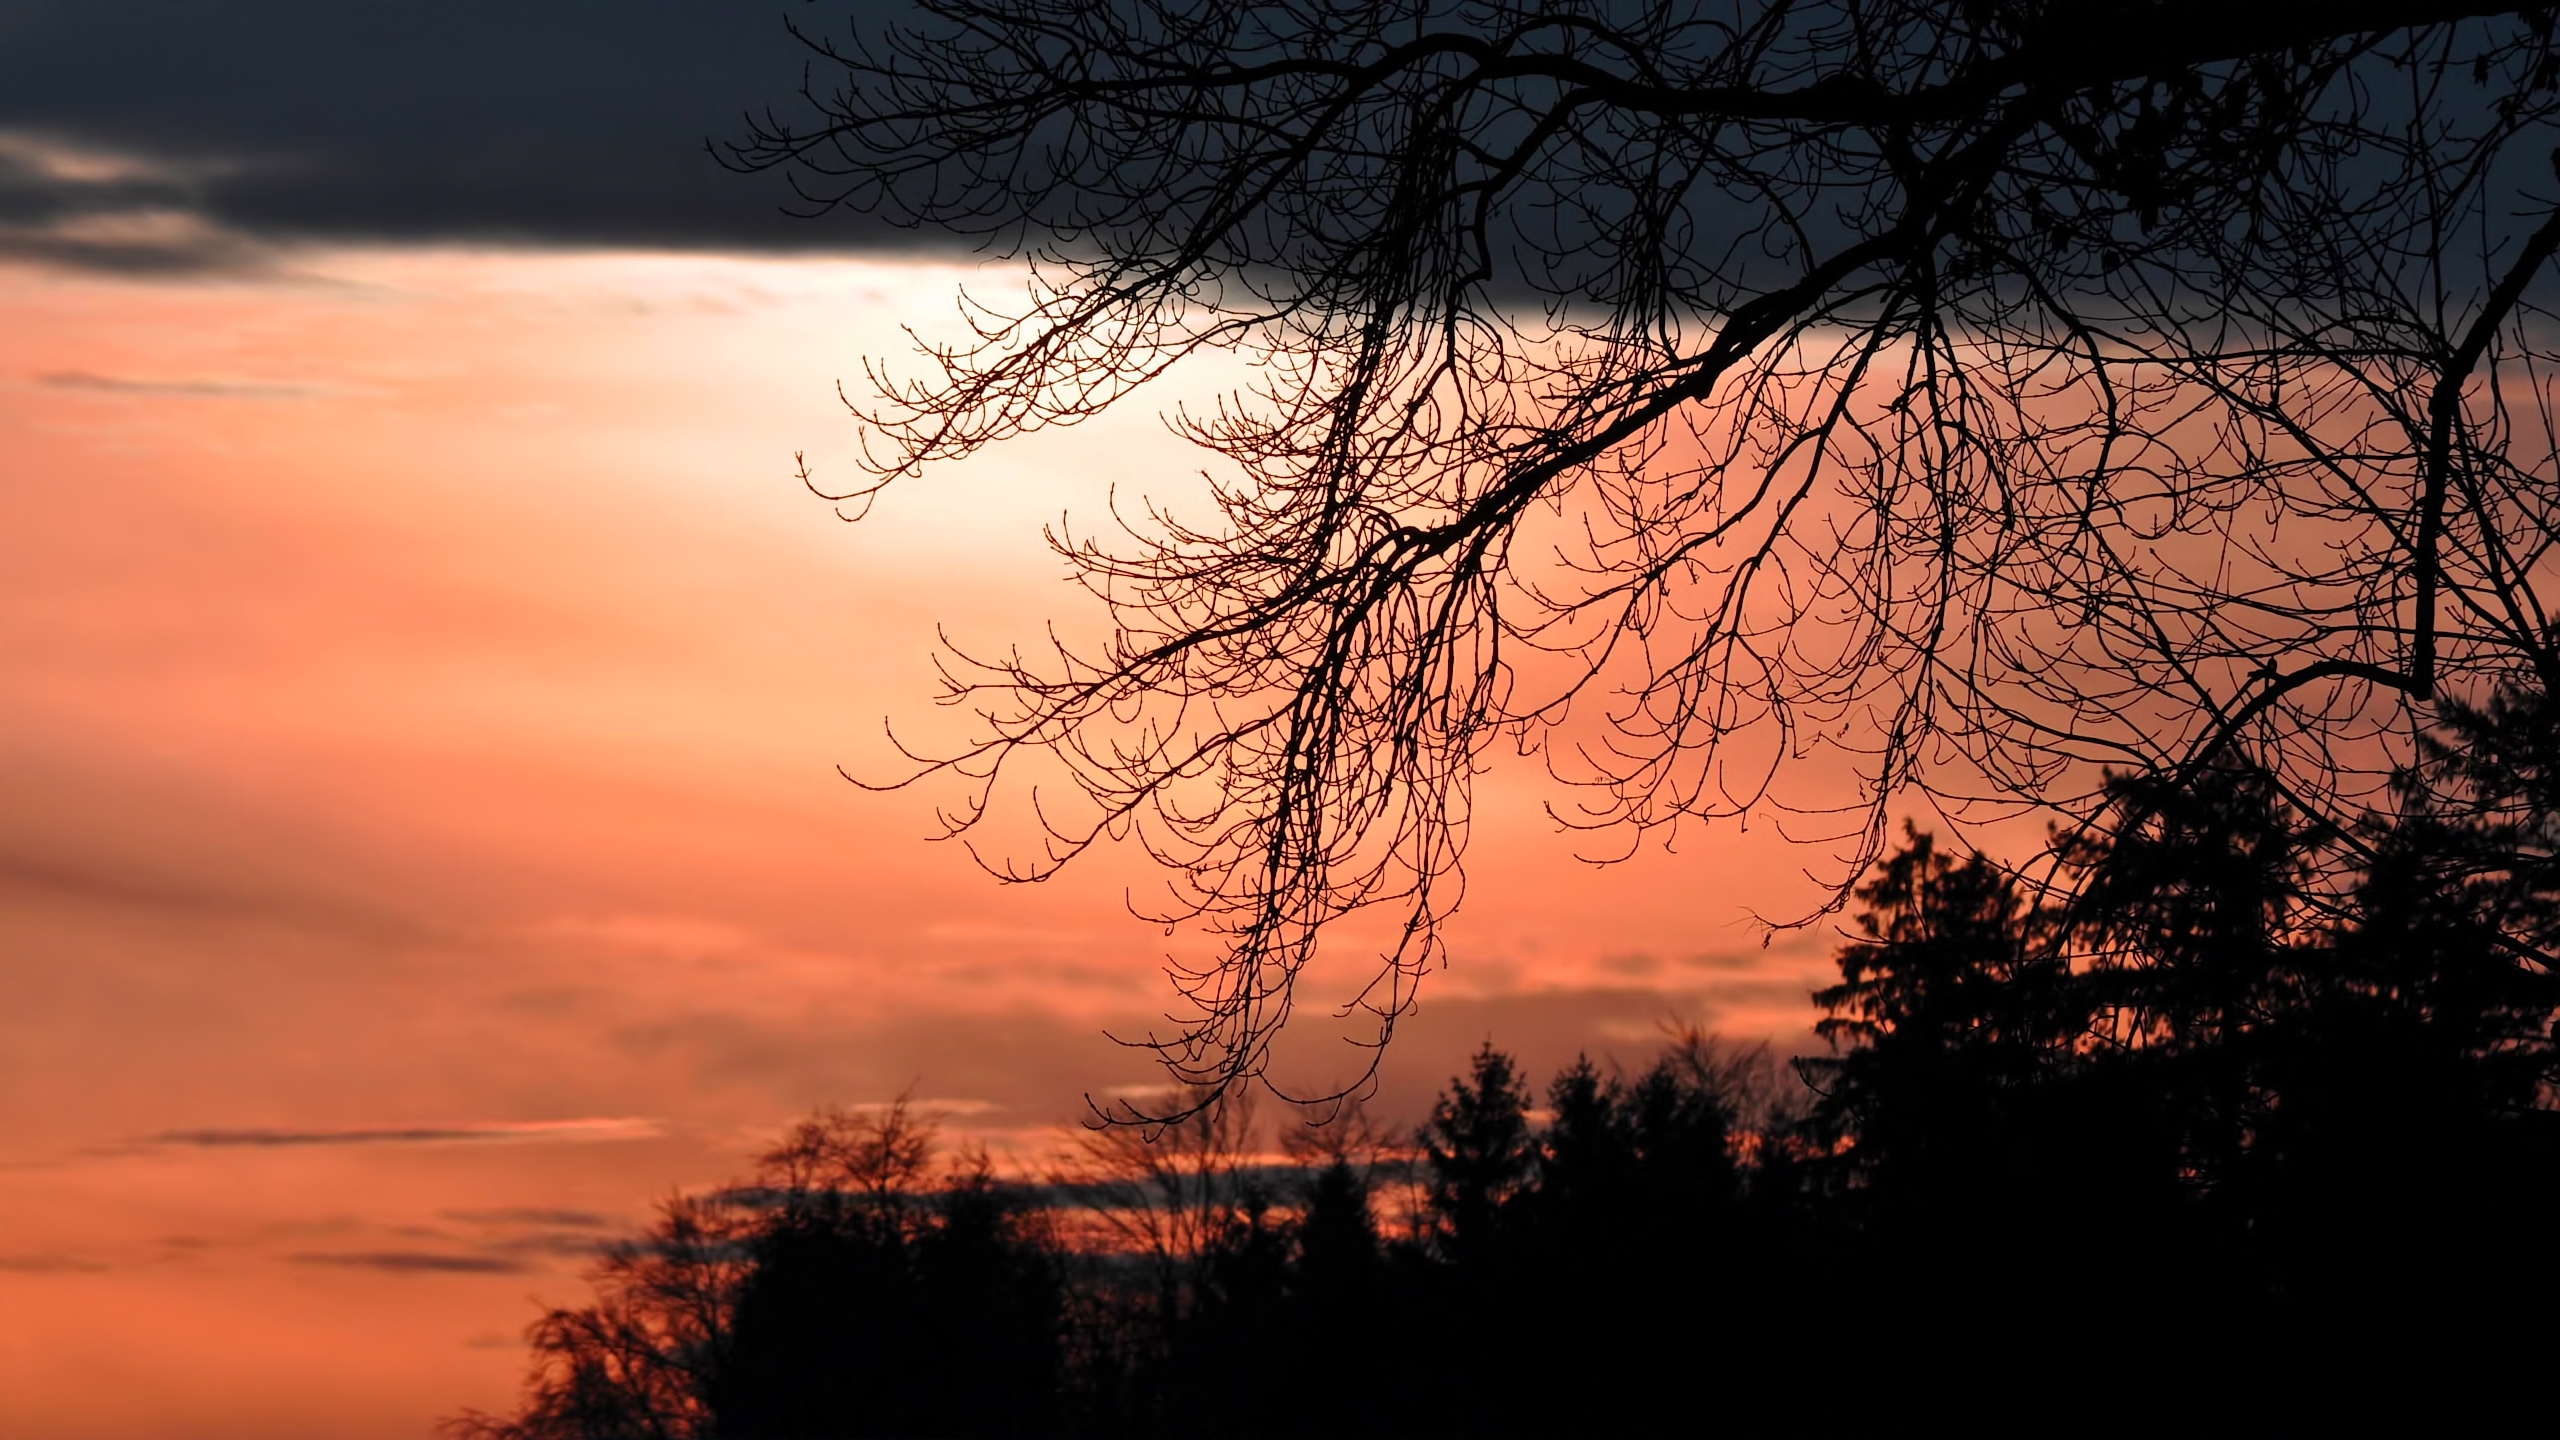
1998	396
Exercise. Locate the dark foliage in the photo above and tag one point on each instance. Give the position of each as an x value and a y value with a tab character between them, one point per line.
2315	1152
854	1324
837	1295
2188	1143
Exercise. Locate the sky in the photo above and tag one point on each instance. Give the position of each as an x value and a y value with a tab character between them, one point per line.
423	682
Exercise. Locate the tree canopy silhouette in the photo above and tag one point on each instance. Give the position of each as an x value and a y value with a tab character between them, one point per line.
2323	1139
2001	394
1194	1283
838	1293
2174	1136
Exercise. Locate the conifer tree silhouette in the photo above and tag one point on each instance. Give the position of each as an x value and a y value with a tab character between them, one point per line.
1478	1147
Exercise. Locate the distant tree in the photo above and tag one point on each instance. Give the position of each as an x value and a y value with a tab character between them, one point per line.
2473	849
1339	1249
1348	1158
2188	1141
1990	396
1188	1261
639	1363
874	1308
1951	1009
1479	1151
835	1295
2407	1140
1346	1297
1587	1154
2306	1139
2279	1024
1171	1197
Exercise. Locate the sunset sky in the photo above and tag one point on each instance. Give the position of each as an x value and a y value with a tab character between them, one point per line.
422	682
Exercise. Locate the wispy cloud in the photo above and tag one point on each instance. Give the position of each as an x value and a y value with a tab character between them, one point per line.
47	157
496	1132
102	208
533	1215
567	1247
50	1263
413	1262
202	389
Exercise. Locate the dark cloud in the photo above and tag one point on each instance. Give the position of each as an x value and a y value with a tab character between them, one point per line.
413	1262
492	1132
172	134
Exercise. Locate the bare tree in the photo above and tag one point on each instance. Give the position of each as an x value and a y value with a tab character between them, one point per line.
1169	1196
644	1362
1999	393
839	1158
639	1362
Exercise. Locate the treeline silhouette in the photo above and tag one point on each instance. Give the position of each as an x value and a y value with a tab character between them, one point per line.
2180	1136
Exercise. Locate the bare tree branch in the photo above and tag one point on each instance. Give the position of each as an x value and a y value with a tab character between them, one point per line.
1997	395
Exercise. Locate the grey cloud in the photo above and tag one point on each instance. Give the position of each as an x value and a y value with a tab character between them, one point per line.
175	135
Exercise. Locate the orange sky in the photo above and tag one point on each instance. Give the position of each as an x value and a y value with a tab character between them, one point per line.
421	680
